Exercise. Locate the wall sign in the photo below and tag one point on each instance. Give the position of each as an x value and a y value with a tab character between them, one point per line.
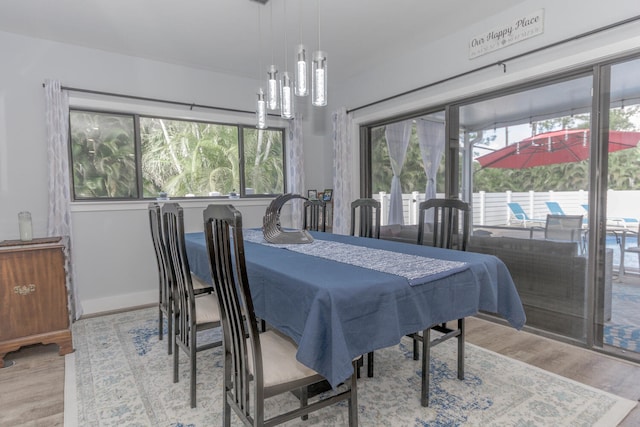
520	29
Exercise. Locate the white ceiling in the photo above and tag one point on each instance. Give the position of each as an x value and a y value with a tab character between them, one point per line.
223	36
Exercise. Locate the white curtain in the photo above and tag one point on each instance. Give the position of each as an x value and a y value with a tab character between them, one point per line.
342	159
431	141
295	168
59	221
397	135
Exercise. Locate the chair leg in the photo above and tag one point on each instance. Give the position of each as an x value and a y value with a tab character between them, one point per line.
370	364
170	337
160	326
416	352
192	378
304	400
426	362
353	402
461	327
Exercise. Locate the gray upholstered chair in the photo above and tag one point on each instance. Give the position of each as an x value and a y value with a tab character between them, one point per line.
192	312
451	225
268	359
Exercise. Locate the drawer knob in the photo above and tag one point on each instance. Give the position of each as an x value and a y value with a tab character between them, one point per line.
24	289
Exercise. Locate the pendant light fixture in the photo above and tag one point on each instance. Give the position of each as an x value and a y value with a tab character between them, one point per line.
272	73
302	86
261	105
286	86
319	72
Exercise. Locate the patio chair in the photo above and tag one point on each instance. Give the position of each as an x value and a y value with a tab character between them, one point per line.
518	213
632	249
554	208
616	221
564	228
257	366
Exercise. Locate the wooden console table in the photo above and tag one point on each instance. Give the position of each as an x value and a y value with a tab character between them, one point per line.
33	295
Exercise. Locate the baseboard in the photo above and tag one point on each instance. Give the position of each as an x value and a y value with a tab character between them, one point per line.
118	302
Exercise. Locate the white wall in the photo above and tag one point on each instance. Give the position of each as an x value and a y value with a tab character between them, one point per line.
113	253
114	257
440	59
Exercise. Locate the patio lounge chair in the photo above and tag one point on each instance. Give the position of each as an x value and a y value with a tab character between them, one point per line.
617	221
520	215
554	208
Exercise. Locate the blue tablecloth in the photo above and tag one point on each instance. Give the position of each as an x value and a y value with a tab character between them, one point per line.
336	311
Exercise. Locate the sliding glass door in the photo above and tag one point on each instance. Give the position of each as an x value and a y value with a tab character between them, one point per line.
619	324
551	170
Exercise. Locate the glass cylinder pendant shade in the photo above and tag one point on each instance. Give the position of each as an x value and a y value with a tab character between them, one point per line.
272	88
302	87
286	97
319	76
261	111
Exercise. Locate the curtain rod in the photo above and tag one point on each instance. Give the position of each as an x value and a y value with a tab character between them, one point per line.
163	101
501	63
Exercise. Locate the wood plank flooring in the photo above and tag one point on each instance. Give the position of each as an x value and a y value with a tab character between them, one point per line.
31	391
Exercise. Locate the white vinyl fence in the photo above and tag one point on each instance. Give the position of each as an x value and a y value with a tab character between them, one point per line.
491	208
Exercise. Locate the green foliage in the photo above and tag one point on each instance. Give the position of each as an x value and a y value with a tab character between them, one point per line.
103	155
176	156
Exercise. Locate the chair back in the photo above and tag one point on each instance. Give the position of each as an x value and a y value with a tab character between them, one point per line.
517	211
225	246
365	213
160	248
554	208
315	212
563	228
184	298
451	223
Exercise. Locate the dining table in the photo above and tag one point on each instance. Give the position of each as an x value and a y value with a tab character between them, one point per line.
341	296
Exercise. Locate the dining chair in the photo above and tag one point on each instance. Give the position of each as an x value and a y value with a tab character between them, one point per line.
315	212
165	296
165	289
268	359
192	312
365	218
451	225
365	222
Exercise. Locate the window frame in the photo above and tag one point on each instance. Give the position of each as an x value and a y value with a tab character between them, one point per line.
149	114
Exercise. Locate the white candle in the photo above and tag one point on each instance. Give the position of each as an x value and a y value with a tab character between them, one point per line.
24	221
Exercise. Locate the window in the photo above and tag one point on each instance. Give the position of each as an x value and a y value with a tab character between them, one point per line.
127	156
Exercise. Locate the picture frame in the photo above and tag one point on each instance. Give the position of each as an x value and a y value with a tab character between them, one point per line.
320	196
327	194
312	194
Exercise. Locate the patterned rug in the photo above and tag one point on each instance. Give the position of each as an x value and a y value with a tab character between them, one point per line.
624	328
123	377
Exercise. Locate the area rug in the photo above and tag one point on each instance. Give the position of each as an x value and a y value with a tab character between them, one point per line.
123	377
623	330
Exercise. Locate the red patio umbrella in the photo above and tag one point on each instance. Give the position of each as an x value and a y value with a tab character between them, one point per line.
562	146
